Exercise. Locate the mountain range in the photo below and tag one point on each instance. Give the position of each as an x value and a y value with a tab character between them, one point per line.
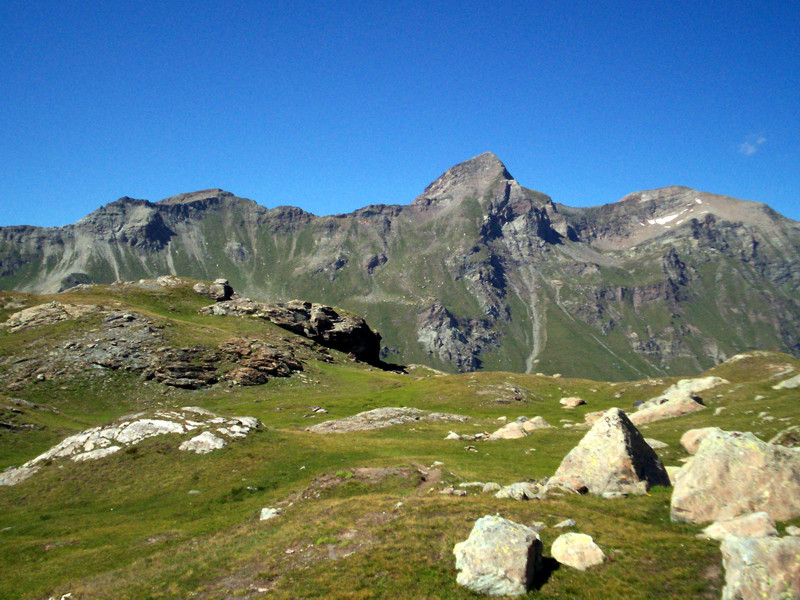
478	272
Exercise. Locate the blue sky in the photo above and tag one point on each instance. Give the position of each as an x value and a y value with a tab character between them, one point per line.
331	106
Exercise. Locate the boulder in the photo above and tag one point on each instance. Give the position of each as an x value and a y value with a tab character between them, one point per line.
757	568
692	438
518	491
754	525
592	417
534	424
788	384
218	291
577	550
269	513
686	388
611	457
499	558
511	431
734	474
665	409
203	444
571	402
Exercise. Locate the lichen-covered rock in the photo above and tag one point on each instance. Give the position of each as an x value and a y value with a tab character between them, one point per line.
733	474
754	525
758	568
612	457
577	550
691	439
500	557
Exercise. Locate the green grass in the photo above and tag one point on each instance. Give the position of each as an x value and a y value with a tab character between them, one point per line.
127	527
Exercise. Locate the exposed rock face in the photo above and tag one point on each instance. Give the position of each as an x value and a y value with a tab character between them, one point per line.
258	361
472	272
733	474
692	439
98	442
758	568
612	457
47	314
323	324
577	550
499	558
382	417
755	525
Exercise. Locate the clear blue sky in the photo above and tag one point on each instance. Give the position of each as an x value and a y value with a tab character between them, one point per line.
331	106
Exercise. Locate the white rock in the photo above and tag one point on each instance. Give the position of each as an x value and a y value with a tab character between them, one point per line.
788	384
758	524
269	513
577	550
203	444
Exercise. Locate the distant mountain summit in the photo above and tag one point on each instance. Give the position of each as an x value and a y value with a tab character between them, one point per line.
478	272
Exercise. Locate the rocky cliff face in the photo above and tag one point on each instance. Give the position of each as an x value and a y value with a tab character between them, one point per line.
477	272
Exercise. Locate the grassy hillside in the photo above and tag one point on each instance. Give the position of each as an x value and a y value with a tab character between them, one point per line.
362	513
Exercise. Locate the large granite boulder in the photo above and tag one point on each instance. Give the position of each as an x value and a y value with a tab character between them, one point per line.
758	568
577	550
499	558
734	474
666	409
613	457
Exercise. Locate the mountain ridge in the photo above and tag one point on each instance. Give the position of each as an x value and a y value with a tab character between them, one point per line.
477	272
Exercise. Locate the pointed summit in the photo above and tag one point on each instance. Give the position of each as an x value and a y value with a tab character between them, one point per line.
473	178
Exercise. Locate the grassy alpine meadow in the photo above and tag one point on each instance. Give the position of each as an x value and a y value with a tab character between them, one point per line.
361	513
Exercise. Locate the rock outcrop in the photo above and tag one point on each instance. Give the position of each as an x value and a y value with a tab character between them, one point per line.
99	442
665	409
47	314
611	458
325	325
382	417
499	558
219	291
577	550
734	474
757	568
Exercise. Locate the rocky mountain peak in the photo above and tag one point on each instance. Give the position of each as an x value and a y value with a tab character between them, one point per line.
472	178
199	196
